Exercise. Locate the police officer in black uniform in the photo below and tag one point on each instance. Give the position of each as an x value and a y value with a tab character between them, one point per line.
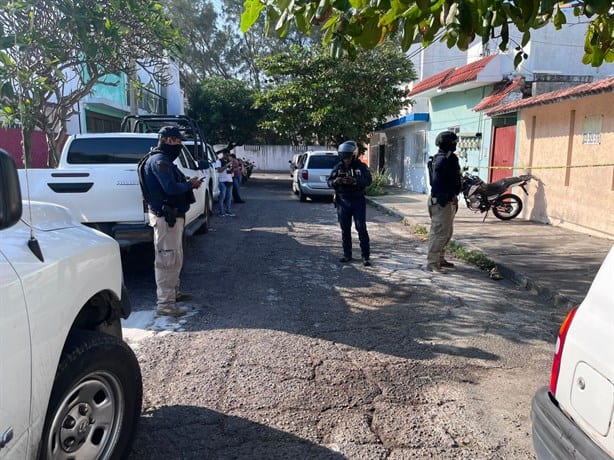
350	177
168	194
445	178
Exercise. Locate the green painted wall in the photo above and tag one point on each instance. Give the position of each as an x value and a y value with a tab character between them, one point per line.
455	110
114	89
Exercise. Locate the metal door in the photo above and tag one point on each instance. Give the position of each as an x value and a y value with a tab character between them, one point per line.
503	148
395	159
416	179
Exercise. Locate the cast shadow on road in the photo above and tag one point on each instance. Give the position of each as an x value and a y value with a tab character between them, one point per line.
283	266
296	285
199	433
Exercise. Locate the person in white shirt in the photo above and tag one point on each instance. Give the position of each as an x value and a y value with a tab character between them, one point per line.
224	168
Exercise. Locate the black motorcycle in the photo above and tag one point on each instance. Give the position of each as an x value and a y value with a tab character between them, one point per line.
483	197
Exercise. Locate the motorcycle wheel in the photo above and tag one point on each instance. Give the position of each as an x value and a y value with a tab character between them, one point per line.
507	206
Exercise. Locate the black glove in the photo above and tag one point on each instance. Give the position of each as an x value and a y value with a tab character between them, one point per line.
347	180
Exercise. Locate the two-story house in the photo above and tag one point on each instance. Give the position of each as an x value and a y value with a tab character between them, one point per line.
454	90
103	109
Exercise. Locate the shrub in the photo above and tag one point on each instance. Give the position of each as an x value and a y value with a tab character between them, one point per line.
380	180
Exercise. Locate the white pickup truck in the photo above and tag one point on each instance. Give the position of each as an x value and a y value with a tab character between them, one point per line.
96	179
70	387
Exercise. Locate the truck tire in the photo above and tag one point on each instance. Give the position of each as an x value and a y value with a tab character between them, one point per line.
95	402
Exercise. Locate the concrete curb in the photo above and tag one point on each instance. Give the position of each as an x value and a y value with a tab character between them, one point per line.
520	279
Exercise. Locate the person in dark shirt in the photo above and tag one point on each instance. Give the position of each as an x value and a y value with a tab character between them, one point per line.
168	194
350	177
445	178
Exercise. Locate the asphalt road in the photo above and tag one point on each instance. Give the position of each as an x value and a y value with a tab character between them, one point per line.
288	354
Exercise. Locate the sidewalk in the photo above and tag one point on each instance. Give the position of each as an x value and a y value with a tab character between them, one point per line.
554	262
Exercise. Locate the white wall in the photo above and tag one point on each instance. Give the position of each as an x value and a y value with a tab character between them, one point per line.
550	50
273	158
173	92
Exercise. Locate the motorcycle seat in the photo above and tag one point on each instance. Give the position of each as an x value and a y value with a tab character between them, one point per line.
502	185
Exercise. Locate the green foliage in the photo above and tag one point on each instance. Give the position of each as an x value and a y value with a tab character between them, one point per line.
213	48
473	257
320	99
216	47
419	230
380	180
366	24
224	110
44	45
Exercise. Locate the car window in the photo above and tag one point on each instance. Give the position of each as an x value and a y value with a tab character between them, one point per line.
182	156
190	161
301	160
322	161
195	150
211	153
104	150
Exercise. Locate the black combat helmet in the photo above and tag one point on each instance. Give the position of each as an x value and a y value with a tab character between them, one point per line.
446	141
346	149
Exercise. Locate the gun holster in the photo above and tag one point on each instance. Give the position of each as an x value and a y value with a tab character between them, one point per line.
170	215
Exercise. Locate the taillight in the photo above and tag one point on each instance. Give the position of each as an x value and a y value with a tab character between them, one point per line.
558	351
305	174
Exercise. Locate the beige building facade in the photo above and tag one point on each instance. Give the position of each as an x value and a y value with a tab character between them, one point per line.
569	147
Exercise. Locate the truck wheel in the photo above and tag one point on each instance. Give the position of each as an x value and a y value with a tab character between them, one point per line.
95	402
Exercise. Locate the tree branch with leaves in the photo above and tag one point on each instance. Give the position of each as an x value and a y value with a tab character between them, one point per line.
317	98
53	53
351	24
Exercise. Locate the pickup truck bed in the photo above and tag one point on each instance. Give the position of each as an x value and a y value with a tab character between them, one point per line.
97	181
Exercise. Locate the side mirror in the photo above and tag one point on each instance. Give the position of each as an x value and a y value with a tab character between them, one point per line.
10	193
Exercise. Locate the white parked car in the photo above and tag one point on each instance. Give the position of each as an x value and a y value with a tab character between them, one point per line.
293	163
573	418
310	176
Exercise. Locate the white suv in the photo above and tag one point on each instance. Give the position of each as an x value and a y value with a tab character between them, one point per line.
574	416
310	176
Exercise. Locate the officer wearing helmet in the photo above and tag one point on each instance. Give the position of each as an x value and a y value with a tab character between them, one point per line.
445	179
350	177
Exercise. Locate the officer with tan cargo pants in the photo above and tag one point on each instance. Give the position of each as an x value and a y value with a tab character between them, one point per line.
445	178
168	194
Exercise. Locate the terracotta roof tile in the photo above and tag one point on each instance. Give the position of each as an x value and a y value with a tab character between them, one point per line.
430	82
499	94
467	72
587	89
452	76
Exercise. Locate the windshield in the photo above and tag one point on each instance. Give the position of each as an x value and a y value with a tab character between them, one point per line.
104	150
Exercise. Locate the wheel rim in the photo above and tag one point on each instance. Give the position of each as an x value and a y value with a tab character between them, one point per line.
87	422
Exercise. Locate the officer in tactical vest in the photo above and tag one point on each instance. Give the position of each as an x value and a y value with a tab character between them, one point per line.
445	178
168	194
350	177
